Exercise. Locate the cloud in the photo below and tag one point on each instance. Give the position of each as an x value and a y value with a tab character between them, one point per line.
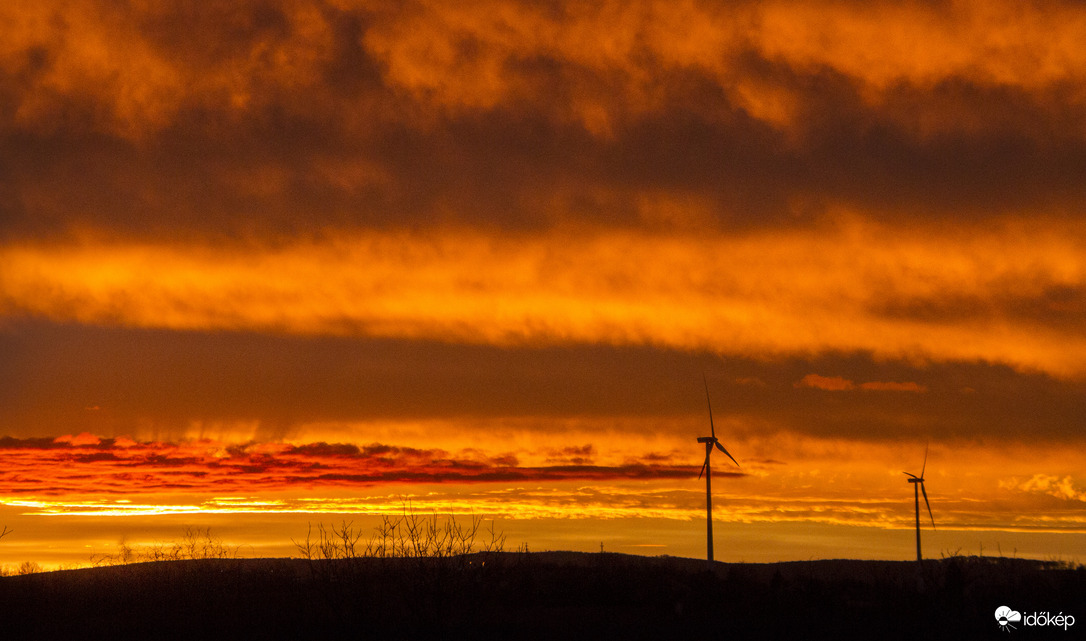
840	384
828	383
34	468
890	386
583	455
9	442
83	438
740	295
1059	487
236	387
234	56
312	117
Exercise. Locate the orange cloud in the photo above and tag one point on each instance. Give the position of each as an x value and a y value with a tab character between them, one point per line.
83	438
1063	488
133	69
968	295
829	383
141	67
839	384
479	55
523	116
893	387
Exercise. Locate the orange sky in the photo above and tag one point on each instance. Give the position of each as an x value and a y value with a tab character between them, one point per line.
263	263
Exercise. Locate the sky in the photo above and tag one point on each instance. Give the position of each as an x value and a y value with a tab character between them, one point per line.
271	263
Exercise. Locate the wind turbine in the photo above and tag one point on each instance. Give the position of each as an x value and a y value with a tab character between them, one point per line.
918	487
710	443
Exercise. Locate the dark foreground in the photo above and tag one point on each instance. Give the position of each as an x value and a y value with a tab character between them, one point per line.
540	596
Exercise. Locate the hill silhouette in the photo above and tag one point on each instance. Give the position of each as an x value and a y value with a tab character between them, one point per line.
547	595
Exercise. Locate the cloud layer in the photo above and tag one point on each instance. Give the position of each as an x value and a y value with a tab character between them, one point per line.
87	465
285	117
897	179
969	295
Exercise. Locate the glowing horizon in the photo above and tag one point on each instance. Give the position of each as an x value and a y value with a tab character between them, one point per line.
578	488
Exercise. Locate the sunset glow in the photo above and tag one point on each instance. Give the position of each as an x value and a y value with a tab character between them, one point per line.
269	264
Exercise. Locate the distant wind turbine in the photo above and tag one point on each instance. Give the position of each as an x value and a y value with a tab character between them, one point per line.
710	443
918	487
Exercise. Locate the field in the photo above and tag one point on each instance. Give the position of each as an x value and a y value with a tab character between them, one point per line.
546	595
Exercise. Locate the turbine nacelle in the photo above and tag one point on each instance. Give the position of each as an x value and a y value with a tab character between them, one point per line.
711	441
920	480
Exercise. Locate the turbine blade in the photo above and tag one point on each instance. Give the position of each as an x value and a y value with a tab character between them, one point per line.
925	466
712	429
927	504
907	474
721	448
704	466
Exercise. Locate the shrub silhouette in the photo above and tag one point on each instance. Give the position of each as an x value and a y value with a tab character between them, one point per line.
408	535
195	544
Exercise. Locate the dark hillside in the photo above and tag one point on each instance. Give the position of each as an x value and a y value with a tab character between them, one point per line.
551	595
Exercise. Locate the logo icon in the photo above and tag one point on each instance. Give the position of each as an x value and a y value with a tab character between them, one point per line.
1006	616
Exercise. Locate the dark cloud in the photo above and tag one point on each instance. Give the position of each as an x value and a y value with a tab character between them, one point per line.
583	455
327	449
279	118
11	443
98	456
167	384
1044	303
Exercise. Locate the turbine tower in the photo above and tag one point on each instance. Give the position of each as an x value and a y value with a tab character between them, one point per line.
710	443
918	488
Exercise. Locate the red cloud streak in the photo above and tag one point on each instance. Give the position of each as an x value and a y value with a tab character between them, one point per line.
88	465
